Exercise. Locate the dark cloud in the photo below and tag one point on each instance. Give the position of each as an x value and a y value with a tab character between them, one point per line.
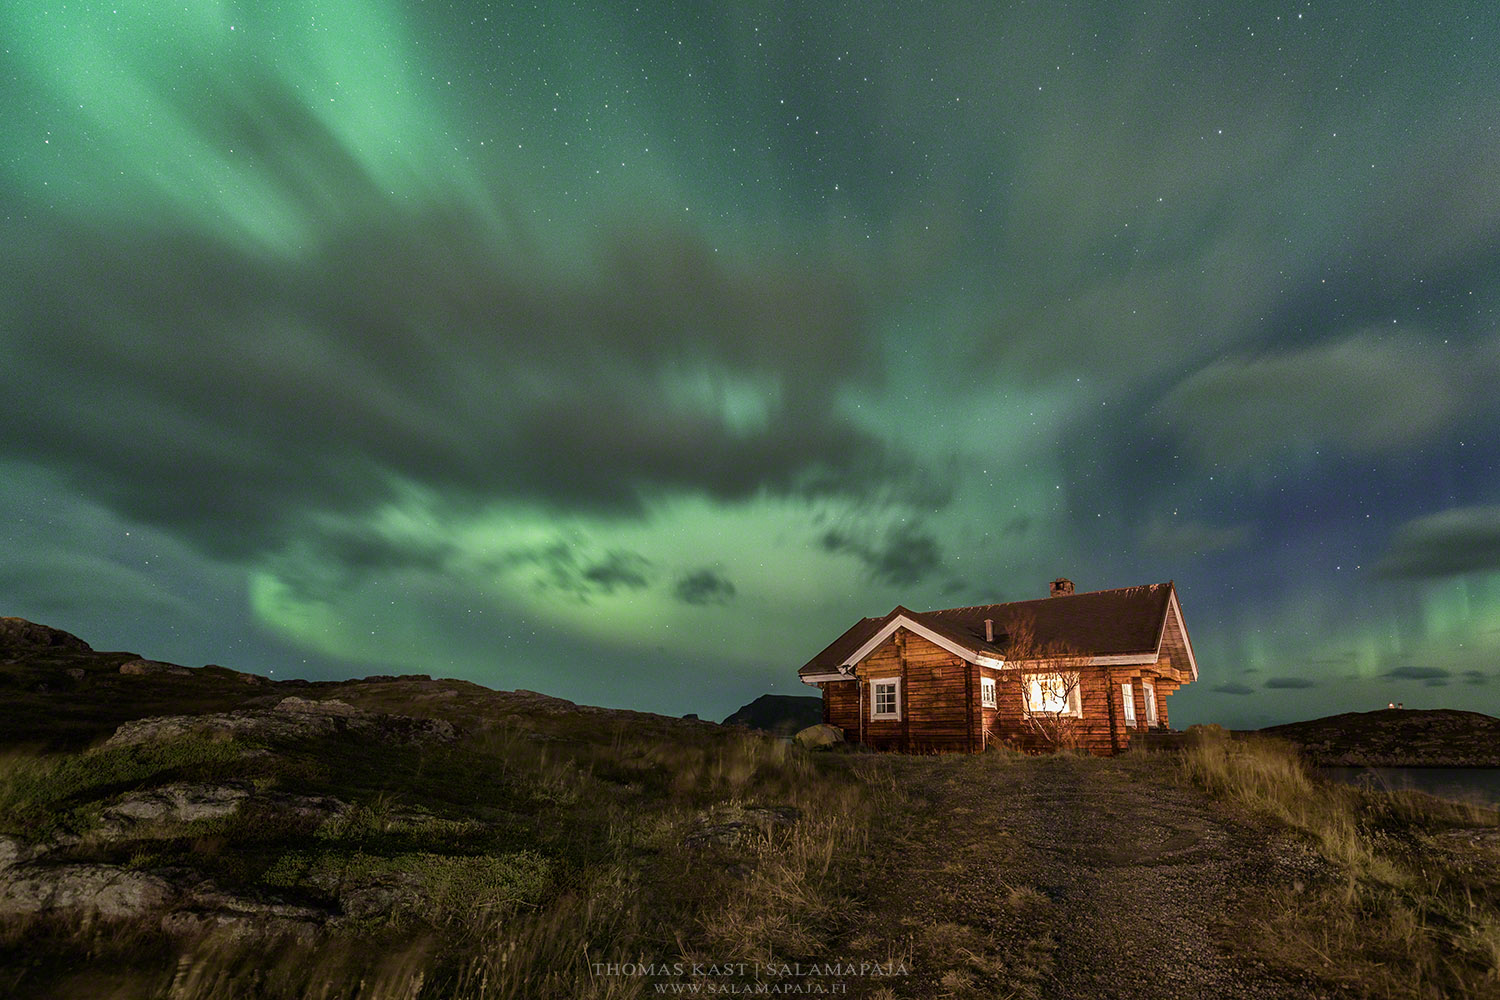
196	381
1232	688
1289	683
704	586
1418	673
63	584
559	567
1451	542
359	551
618	570
1475	677
905	555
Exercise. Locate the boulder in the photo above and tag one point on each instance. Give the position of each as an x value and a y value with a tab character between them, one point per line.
108	890
142	667
13	851
292	719
819	737
183	900
176	803
330	706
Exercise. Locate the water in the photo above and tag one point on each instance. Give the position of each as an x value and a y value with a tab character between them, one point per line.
1466	784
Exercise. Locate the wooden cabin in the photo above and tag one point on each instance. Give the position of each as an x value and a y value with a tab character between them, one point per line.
1070	670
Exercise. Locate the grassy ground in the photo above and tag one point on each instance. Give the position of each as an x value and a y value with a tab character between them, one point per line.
522	859
551	845
1413	909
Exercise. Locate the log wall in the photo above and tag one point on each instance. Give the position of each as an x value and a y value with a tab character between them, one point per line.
942	711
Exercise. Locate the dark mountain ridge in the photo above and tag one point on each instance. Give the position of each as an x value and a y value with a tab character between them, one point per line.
782	714
1397	737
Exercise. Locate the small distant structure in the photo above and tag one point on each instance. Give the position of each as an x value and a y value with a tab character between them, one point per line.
1395	704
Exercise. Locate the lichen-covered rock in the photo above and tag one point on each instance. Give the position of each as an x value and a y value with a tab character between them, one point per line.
182	900
292	719
176	803
143	667
13	851
203	905
819	737
108	890
184	802
330	706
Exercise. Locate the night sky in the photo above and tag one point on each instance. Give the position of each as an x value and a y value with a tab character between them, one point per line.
632	354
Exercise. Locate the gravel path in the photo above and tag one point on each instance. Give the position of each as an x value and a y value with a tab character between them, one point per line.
1066	877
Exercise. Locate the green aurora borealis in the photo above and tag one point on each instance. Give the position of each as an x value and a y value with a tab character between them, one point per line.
632	354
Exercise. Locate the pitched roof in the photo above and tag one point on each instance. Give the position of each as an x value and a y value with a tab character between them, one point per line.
1124	621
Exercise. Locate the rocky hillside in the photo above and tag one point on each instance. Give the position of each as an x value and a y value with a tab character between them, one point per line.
782	714
163	822
1397	738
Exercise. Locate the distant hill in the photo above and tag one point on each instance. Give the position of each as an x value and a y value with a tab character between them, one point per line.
1396	737
17	635
57	693
783	714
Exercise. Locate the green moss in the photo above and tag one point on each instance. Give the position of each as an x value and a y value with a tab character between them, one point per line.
40	794
381	819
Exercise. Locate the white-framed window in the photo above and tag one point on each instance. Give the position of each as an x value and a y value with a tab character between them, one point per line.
1148	691
885	698
987	693
1053	694
1128	692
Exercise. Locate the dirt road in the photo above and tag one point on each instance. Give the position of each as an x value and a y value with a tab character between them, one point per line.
1065	877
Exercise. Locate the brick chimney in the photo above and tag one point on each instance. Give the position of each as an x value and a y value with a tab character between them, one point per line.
1062	587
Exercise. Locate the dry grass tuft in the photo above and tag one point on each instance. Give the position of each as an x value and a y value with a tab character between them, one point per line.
1398	917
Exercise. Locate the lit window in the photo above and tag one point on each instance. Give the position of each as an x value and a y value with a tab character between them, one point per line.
1053	694
987	696
885	698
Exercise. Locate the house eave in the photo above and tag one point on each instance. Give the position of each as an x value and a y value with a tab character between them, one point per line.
1187	643
815	679
916	627
1115	659
1100	660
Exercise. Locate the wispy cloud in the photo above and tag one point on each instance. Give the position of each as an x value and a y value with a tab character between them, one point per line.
1448	543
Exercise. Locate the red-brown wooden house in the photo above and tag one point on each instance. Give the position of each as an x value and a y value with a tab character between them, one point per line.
1086	670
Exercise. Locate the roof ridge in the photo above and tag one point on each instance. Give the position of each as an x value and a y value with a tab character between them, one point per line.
1029	600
